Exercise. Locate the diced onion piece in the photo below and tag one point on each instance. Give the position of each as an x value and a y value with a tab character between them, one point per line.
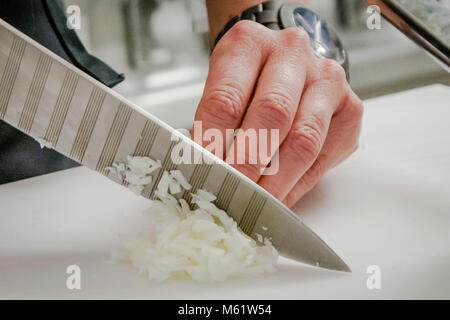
44	143
174	187
259	237
136	172
178	175
163	185
203	195
143	165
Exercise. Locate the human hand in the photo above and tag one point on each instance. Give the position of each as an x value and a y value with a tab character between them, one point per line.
265	79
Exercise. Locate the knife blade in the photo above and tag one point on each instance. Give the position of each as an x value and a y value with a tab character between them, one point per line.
51	100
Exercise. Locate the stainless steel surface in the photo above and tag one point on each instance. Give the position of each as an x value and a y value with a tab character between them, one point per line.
323	39
415	29
49	99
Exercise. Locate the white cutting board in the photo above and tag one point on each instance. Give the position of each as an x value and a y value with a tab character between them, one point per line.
388	205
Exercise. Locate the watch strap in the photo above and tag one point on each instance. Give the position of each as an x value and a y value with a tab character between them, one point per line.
266	13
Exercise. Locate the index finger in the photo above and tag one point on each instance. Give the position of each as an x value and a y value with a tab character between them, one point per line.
233	73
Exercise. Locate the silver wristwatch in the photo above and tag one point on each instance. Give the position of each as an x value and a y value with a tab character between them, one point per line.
278	15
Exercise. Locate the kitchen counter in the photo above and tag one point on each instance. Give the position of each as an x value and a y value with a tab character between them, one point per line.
388	205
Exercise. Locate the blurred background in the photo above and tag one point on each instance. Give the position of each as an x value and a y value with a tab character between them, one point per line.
162	47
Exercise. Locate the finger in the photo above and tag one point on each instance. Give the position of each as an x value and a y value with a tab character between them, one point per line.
343	135
341	142
308	134
274	105
307	182
234	68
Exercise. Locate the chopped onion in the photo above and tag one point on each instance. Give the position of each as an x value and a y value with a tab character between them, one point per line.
174	187
178	175
204	244
44	143
163	186
143	165
259	238
203	195
136	172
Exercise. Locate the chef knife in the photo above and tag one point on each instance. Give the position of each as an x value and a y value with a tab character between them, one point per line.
67	110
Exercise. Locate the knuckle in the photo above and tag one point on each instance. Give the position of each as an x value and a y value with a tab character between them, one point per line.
332	70
242	30
356	108
244	26
244	37
353	110
306	140
225	104
313	174
276	110
296	37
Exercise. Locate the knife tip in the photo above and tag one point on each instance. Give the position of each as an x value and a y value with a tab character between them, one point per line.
337	265
345	268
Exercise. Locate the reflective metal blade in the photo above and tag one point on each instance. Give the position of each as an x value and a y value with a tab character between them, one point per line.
54	102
